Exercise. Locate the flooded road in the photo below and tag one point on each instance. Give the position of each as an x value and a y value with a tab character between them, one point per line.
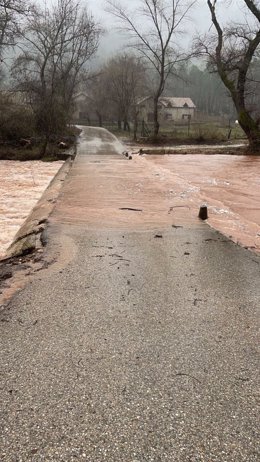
158	191
167	189
21	186
228	184
137	340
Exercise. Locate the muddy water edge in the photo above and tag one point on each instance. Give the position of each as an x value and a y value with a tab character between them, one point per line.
21	186
228	184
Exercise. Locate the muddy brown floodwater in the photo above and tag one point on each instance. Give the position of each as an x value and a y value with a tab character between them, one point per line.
168	188
21	186
228	184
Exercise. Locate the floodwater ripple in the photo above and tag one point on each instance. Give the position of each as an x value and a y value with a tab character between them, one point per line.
21	186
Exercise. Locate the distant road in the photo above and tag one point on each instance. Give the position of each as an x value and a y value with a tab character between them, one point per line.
138	342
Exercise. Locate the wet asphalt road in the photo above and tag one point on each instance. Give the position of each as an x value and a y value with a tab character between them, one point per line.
132	348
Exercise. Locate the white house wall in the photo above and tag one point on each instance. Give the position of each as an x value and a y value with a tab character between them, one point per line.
176	113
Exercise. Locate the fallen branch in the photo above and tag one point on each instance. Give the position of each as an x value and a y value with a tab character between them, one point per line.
129	208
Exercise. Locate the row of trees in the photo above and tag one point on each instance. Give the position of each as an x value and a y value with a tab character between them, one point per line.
116	89
229	50
56	44
204	88
125	80
153	30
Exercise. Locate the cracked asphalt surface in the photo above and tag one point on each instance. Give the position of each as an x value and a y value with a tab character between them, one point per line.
131	347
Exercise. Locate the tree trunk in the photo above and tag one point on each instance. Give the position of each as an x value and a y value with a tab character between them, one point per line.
119	125
44	147
249	125
100	120
156	125
237	86
126	126
251	129
135	127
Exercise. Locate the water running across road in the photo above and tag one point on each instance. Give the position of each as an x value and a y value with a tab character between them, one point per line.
230	185
169	189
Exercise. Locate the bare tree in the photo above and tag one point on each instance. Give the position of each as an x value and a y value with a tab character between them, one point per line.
79	42
11	12
115	90
97	89
231	51
125	80
57	44
153	30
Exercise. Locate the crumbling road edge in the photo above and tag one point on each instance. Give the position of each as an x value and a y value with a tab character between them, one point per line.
32	235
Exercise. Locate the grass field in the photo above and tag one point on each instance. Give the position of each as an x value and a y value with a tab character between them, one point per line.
203	132
197	132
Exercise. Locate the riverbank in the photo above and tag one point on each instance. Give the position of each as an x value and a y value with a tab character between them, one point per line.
58	148
238	148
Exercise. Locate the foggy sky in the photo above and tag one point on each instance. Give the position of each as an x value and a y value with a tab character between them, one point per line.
199	20
113	41
200	13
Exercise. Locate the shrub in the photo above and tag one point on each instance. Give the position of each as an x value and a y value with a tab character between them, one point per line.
16	120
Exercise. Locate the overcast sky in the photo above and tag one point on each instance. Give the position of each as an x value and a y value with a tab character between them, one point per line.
231	9
199	19
113	40
200	12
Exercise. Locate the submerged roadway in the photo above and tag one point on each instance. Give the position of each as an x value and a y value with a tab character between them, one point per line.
138	341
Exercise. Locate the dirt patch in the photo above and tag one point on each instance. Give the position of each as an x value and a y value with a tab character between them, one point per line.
14	274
